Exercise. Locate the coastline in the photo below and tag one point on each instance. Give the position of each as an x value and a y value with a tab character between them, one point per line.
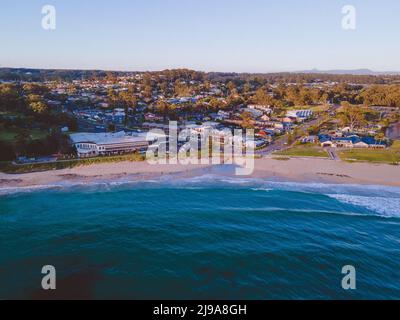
310	170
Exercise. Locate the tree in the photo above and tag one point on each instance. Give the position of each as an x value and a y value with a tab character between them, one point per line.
35	88
8	96
147	91
261	97
112	98
181	89
247	120
231	86
380	137
164	87
38	107
7	151
163	108
351	115
111	127
246	87
22	140
128	101
290	139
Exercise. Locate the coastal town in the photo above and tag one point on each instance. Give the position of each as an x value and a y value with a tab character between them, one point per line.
55	119
200	158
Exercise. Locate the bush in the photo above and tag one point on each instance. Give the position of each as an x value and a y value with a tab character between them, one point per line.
9	167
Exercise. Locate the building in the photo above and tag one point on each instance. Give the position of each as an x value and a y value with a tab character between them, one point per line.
222	115
300	114
393	132
309	139
103	144
352	141
255	113
265	109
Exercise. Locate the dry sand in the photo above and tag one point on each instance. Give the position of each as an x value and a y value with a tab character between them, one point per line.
301	170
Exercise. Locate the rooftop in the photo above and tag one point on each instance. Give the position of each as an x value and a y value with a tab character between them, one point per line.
104	138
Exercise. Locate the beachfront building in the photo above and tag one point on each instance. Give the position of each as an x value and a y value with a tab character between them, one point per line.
352	141
104	144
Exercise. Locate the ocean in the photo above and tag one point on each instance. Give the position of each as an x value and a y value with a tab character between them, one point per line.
208	237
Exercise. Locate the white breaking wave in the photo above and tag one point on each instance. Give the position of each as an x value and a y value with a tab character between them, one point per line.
262	189
381	200
9	191
389	207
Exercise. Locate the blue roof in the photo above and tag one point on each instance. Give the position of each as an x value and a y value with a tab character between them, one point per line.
371	140
349	139
353	139
324	138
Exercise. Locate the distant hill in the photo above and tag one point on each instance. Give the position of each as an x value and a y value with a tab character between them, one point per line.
358	72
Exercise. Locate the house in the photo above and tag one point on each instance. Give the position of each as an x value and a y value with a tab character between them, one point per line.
264	108
152	117
309	139
222	115
265	118
372	143
299	115
393	132
254	112
345	142
101	144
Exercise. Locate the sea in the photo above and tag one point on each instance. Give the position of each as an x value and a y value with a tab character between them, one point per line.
204	237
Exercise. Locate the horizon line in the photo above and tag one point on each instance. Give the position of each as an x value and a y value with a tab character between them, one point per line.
312	70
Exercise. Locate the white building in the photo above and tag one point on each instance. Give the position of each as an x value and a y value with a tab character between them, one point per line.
101	144
300	114
254	112
264	108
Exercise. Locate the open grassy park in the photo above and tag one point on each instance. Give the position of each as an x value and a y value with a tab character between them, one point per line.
390	155
303	150
9	135
9	167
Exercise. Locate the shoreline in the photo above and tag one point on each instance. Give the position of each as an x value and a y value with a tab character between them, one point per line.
312	170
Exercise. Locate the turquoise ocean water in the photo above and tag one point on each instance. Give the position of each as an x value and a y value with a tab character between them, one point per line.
201	238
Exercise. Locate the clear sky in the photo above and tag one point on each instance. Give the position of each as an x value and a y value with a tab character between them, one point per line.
208	35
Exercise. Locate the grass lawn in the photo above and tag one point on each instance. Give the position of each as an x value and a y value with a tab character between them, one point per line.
304	150
318	108
391	155
9	167
8	135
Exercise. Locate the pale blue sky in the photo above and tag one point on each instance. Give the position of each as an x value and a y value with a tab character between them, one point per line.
208	35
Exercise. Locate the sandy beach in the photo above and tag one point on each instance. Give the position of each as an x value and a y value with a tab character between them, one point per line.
299	170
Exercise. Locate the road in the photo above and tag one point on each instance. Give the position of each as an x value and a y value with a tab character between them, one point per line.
281	142
278	144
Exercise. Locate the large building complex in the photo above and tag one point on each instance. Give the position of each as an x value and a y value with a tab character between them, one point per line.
102	144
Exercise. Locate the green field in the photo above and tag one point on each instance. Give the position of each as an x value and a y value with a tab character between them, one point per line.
304	150
9	167
318	108
9	135
391	155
